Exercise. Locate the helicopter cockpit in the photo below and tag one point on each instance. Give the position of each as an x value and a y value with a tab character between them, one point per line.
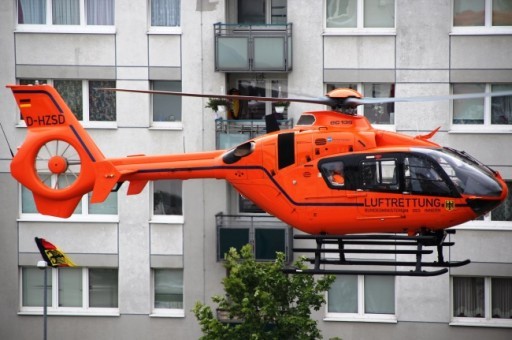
435	172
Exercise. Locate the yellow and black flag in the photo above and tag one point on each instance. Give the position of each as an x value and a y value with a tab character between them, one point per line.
53	256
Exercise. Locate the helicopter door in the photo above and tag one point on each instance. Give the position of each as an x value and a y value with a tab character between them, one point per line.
379	190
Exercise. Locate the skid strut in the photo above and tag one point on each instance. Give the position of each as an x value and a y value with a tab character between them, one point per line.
337	246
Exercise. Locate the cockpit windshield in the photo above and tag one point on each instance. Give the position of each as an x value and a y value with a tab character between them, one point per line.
468	176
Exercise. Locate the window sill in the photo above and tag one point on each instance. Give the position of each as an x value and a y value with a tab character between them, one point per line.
389	319
168	313
480	129
505	30
495	323
70	311
71	219
170	219
165	30
66	29
360	31
175	126
485	226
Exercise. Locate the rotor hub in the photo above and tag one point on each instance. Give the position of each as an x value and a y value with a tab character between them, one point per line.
58	164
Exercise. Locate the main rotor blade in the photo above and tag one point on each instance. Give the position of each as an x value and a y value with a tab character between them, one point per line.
373	101
324	101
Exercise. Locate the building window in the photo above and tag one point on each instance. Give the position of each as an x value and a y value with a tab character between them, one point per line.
167	200
166	109
362	297
487	112
266	235
499	215
256	12
165	13
482	13
168	291
364	14
70	290
84	209
383	114
91	105
482	300
66	12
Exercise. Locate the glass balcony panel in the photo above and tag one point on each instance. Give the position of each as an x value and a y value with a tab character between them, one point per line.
269	53
233	53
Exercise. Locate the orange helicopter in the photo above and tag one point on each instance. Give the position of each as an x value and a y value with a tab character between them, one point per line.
333	176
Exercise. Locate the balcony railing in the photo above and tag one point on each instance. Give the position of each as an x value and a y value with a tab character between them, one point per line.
266	234
253	48
230	133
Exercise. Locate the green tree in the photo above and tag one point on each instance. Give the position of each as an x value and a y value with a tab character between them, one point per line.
262	302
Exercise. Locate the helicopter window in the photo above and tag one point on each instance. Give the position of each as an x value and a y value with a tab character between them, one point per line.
334	173
422	177
306	120
379	174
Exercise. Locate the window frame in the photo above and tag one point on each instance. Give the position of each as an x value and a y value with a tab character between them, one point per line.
487	223
359	87
361	315
82	27
360	29
487	320
487	126
54	309
170	125
172	30
86	122
84	216
485	29
172	219
166	312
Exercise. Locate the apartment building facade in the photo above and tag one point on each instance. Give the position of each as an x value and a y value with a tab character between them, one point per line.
144	260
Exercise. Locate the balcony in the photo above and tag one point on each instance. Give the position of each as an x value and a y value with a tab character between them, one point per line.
266	234
229	133
253	48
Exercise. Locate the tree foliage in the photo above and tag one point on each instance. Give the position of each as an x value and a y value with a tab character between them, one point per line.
262	302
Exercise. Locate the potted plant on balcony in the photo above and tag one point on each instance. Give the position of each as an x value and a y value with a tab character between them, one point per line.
218	105
281	106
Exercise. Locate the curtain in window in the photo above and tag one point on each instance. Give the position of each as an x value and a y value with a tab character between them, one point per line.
501	298
501	107
468	297
70	287
100	12
167	197
66	12
102	104
165	13
341	13
169	288
379	294
103	288
379	13
71	92
31	11
33	287
342	296
502	13
468	111
107	207
468	12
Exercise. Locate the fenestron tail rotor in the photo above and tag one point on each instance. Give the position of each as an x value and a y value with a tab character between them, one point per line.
58	164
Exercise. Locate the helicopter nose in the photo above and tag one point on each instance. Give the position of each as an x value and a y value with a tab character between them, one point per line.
482	205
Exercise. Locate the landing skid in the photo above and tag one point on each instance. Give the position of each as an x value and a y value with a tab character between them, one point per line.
389	244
